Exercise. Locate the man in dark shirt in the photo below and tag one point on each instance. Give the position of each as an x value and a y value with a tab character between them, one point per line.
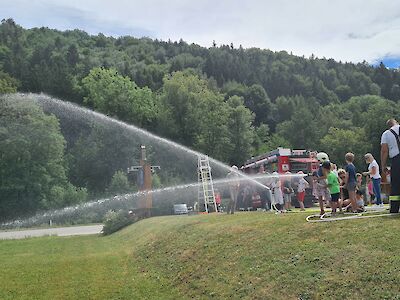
390	147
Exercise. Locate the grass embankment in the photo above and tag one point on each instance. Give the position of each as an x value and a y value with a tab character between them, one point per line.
247	255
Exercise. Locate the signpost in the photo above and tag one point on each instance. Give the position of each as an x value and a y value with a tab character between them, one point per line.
144	181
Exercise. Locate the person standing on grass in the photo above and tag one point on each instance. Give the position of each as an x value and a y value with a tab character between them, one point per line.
373	172
301	190
288	191
320	188
218	200
344	193
390	146
351	180
268	191
333	185
277	198
234	185
371	190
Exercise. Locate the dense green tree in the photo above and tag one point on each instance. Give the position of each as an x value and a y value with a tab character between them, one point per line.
186	101
261	136
240	129
110	93
98	154
371	112
273	142
285	108
7	83
340	141
343	92
119	183
214	136
72	55
255	98
303	130
32	167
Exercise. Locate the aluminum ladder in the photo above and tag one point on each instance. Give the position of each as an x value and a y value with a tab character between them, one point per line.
206	193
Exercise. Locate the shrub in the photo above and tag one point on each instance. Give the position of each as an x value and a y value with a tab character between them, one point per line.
116	220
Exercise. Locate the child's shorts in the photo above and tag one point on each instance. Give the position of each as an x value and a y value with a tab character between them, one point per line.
322	192
351	187
335	197
287	198
300	196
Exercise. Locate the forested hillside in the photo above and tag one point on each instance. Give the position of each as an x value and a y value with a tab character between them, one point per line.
226	101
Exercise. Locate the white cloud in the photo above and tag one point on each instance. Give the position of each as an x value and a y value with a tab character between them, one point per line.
351	30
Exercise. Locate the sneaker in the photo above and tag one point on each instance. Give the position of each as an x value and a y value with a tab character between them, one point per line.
381	205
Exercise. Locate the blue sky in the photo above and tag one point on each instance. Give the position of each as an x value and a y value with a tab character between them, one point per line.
391	62
352	30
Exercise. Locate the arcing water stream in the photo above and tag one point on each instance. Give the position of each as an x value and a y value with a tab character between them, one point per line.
185	159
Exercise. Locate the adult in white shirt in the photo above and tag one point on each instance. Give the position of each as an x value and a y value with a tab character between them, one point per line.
277	197
390	146
373	171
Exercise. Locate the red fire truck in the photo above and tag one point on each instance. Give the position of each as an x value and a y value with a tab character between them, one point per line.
283	160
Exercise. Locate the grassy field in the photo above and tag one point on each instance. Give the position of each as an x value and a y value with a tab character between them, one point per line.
251	255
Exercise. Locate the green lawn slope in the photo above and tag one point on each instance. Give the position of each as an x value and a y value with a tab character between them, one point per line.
247	255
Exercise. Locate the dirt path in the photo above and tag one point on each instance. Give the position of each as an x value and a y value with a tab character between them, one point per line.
62	231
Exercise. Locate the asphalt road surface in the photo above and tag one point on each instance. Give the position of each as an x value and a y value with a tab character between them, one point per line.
62	231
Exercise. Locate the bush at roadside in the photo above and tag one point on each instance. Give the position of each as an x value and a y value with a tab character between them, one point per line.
116	220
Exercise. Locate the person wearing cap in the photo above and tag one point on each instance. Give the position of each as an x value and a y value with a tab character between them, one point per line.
390	146
373	172
234	185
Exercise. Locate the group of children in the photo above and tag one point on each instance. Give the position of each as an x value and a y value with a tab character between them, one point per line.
341	188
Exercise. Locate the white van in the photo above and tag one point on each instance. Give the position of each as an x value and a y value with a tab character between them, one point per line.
180	209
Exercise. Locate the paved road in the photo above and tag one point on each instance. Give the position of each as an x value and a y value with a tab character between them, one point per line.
62	231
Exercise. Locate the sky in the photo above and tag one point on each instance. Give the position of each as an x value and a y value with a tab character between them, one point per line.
346	30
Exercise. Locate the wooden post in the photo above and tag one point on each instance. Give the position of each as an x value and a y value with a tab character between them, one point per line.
145	170
147	200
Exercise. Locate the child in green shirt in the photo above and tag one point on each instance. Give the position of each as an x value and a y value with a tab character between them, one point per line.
333	185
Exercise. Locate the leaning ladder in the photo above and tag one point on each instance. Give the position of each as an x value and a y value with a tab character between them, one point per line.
206	188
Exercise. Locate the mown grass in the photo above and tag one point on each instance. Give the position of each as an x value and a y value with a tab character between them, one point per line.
251	255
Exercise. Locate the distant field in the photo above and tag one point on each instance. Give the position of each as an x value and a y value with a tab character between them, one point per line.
250	255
